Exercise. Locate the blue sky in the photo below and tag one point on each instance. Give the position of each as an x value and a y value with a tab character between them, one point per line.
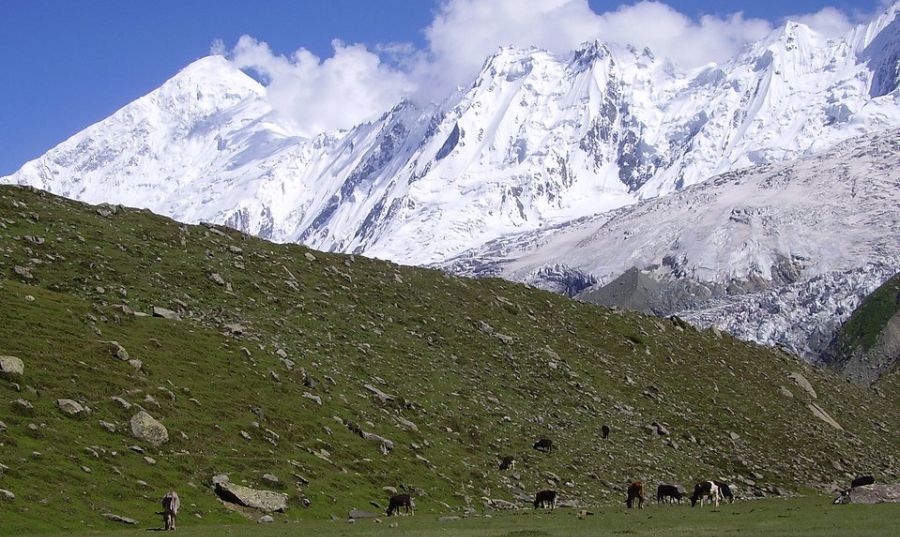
67	64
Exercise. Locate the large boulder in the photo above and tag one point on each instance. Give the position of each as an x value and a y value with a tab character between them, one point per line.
875	494
146	428
11	367
263	500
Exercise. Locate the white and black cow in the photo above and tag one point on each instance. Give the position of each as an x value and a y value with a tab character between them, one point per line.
705	489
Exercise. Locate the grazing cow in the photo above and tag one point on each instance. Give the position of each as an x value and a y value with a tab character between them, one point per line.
604	431
725	491
508	463
545	498
398	501
705	489
635	491
862	481
544	444
170	504
668	493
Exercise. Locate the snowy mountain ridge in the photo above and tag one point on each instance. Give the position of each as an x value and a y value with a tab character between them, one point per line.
536	139
538	148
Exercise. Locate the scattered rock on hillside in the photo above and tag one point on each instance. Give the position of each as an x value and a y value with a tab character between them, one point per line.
803	383
166	313
216	278
263	500
822	415
145	427
108	426
23	407
358	514
6	495
265	519
118	351
11	367
71	408
23	273
120	519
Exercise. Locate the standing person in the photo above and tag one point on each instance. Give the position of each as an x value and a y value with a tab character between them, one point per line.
170	503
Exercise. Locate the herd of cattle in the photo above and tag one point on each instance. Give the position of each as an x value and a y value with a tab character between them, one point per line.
713	491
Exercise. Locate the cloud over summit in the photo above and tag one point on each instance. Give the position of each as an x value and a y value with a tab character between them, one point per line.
359	82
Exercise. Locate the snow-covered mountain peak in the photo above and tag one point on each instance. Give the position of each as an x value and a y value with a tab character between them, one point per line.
536	139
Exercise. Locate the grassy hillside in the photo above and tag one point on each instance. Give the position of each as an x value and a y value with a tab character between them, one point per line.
871	316
474	370
868	344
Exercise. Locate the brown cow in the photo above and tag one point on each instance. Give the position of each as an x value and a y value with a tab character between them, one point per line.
544	444
508	463
401	500
635	491
545	498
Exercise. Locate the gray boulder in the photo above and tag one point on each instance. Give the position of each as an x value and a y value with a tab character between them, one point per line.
11	367
263	500
165	313
146	428
871	494
71	408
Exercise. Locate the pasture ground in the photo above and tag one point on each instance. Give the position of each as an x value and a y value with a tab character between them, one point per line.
799	517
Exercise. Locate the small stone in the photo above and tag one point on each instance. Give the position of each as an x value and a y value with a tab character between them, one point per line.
149	460
23	407
270	478
108	426
6	495
266	519
120	519
86	470
216	278
309	256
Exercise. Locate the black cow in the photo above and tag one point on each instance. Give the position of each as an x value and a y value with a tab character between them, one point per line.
545	498
398	501
668	493
604	431
507	462
862	481
725	491
544	444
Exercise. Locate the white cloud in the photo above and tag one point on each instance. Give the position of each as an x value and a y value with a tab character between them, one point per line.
829	22
354	84
351	86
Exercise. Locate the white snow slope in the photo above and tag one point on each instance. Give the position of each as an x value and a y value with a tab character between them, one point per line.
787	249
536	140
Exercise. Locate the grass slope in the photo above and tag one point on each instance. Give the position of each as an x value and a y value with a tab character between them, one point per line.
804	517
869	319
476	370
